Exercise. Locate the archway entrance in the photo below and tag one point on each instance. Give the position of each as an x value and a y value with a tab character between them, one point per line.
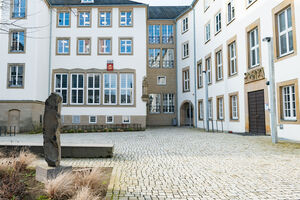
14	120
187	114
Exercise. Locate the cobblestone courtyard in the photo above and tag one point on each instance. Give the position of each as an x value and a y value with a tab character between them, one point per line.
179	163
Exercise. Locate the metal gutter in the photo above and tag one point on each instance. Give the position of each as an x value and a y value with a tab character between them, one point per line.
177	93
50	53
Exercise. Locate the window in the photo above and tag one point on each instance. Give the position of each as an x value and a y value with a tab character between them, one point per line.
254	47
201	110
200	76
110	89
125	18
93	89
19	9
185	50
186	80
208	70
230	11
63	19
154	34
168	103
84	19
154	58
219	65
87	1
206	4
77	89
234	107
168	58
84	46
161	80
218	22
289	103
220	108
16	76
232	58
17	41
167	34
207	32
61	86
154	103
75	119
109	119
210	109
93	119
185	24
105	18
126	119
126	89
63	46
285	32
104	46
126	46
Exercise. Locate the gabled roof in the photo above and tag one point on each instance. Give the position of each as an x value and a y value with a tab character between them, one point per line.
96	3
166	12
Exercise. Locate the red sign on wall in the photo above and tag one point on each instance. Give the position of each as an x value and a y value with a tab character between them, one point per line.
110	65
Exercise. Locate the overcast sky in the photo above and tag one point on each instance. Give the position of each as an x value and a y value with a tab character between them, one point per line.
166	2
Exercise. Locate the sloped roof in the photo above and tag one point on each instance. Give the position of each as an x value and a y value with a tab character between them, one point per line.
166	12
96	3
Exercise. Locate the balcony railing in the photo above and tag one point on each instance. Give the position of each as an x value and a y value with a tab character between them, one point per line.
154	39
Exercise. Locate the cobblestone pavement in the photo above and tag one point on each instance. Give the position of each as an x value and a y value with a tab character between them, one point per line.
180	163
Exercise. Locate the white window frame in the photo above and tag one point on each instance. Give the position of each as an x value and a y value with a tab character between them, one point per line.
234	107
161	83
289	103
93	89
124	18
86	16
90	121
201	110
110	88
127	89
86	47
200	75
153	37
230	11
154	58
61	88
254	49
157	103
185	25
185	50
169	62
87	1
168	103
20	8
210	109
12	41
167	36
208	70
63	20
17	77
124	120
65	46
218	22
104	46
221	108
76	119
77	89
127	43
232	59
219	65
207	32
186	80
112	119
285	32
103	15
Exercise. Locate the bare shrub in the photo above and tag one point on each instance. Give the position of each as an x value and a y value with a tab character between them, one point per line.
25	158
62	187
89	179
85	193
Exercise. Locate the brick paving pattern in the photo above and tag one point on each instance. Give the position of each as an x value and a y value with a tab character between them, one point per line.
179	163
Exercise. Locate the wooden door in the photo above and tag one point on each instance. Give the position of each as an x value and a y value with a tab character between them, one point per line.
257	122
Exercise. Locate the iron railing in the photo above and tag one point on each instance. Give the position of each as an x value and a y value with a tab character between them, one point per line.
8	130
214	126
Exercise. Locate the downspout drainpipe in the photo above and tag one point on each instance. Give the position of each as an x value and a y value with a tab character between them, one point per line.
195	69
177	91
50	54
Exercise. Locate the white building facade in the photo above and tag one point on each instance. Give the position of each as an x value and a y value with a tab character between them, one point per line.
225	40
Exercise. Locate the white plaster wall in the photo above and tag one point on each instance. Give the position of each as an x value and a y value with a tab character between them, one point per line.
35	57
136	61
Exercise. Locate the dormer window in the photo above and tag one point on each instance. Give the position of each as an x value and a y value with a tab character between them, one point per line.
87	1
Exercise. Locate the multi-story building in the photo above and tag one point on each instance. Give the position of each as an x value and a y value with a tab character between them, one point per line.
123	62
97	54
224	39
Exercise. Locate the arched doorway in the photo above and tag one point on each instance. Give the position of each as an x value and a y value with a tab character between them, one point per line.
14	120
187	114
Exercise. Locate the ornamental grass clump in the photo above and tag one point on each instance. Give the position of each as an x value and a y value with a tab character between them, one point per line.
85	193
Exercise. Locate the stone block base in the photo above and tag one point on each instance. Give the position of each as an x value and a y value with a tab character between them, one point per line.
45	173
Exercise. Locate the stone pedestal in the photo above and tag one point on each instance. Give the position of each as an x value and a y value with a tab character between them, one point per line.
45	173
